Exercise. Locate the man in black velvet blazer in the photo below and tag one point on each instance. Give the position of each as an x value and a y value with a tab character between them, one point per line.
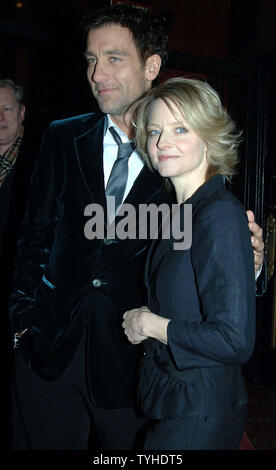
74	366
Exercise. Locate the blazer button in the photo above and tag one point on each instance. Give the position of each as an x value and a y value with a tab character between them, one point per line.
107	241
97	283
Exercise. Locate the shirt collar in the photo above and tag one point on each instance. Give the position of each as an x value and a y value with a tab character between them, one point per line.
108	123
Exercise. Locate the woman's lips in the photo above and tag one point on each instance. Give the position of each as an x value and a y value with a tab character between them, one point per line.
163	158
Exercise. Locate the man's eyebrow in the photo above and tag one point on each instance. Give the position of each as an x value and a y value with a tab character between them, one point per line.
115	52
88	54
107	52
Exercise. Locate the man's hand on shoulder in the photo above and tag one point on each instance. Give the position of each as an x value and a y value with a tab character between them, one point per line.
256	240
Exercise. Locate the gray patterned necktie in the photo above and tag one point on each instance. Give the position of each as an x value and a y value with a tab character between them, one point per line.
117	181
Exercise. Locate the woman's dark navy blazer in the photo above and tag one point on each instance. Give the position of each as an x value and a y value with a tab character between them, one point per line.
208	292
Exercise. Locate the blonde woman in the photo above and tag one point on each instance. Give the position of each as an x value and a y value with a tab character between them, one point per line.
199	324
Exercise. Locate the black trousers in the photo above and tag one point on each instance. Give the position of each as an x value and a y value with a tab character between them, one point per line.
59	415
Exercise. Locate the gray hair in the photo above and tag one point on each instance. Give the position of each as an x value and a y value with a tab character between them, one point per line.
18	90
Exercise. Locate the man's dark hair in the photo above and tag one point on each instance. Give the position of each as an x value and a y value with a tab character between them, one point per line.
148	31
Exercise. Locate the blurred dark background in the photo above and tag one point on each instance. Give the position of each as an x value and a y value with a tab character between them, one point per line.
230	43
41	44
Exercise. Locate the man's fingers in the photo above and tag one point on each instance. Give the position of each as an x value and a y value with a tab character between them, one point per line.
258	245
256	230
250	216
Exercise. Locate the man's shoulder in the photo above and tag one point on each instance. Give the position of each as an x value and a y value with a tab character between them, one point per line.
77	124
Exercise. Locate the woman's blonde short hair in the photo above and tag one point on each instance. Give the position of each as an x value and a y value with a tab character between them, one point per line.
201	108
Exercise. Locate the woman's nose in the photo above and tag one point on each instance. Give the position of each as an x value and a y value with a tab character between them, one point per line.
164	140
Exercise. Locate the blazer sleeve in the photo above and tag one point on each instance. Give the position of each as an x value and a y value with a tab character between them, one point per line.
35	237
222	259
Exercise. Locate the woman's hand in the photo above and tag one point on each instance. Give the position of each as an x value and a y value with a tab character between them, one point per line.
133	324
140	324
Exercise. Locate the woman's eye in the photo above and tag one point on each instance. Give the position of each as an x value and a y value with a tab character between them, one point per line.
181	130
153	132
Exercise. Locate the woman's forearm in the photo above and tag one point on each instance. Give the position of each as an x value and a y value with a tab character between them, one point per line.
140	324
155	326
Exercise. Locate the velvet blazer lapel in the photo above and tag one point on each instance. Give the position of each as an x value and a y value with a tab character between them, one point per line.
89	150
145	187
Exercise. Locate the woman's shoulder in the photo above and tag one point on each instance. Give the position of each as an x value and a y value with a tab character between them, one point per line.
219	213
221	202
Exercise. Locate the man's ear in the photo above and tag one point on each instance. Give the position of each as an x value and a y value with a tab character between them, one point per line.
22	112
152	68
